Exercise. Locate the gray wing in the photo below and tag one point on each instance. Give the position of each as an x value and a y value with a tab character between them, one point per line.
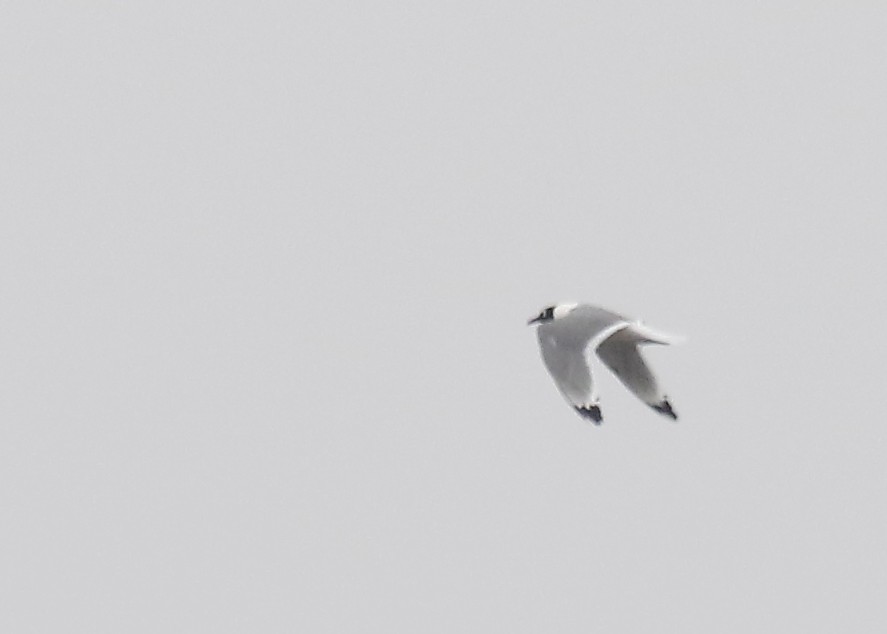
568	366
585	325
621	353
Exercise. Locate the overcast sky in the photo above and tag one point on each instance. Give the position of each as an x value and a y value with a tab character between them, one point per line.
266	270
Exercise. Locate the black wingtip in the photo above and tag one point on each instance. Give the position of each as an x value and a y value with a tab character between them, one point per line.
590	411
665	408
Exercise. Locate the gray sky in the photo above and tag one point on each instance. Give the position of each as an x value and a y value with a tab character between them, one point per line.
266	269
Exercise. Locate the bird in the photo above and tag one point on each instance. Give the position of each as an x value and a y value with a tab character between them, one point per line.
568	331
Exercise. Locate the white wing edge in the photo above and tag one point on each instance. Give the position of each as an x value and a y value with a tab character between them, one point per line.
602	336
649	335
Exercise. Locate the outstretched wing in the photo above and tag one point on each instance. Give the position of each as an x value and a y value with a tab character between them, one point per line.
568	367
620	352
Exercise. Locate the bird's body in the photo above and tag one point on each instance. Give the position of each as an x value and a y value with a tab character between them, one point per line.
567	332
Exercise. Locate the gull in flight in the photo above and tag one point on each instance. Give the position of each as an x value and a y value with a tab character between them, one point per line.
567	332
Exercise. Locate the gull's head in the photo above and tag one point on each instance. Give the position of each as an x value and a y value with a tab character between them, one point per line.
550	313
